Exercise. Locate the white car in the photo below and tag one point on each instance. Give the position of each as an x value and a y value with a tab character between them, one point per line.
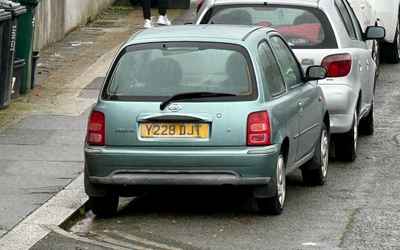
325	32
386	12
367	17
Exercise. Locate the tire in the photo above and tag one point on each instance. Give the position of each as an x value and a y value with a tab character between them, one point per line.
274	205
367	123
104	207
390	51
315	171
346	144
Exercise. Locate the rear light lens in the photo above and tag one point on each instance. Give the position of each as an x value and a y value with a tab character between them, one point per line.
337	65
258	129
96	129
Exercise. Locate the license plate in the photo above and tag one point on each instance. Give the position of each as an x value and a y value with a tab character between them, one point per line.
175	130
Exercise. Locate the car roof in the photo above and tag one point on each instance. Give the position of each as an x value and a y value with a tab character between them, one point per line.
208	33
311	3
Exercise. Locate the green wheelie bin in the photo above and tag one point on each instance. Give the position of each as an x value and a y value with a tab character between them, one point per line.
26	27
5	87
7	58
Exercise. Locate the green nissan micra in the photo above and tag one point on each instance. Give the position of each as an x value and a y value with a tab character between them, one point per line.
206	106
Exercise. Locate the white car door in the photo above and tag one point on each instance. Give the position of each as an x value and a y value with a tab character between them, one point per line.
366	62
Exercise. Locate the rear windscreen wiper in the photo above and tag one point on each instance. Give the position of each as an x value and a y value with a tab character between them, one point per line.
192	95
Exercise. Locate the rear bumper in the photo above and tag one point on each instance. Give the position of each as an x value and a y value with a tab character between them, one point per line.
180	166
178	178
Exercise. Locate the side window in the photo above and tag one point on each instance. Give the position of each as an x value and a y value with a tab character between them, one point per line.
357	26
344	14
288	64
272	76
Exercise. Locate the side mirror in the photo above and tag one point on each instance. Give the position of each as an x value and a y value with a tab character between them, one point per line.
315	73
374	33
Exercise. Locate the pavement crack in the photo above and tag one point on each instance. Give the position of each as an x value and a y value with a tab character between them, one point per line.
349	226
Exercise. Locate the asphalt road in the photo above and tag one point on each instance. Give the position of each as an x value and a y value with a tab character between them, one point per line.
359	208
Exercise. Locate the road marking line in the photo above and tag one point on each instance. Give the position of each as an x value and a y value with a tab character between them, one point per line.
145	241
66	234
124	244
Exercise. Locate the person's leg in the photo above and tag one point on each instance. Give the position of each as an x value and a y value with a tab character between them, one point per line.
146	5
162	7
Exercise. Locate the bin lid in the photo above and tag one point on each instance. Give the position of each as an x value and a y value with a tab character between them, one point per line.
30	3
15	8
4	15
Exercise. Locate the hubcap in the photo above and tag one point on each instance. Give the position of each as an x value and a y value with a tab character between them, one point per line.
324	152
355	129
281	180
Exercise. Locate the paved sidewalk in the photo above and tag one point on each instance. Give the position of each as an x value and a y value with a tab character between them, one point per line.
42	134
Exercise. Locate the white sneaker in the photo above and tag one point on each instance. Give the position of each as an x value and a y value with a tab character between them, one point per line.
163	20
148	24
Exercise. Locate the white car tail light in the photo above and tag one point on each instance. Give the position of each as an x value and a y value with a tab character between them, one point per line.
337	65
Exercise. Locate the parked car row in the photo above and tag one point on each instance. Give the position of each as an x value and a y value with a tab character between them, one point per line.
246	96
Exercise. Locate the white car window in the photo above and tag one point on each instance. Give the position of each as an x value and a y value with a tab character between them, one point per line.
302	27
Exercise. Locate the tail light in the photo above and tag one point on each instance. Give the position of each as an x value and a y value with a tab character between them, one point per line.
199	5
258	129
337	65
96	129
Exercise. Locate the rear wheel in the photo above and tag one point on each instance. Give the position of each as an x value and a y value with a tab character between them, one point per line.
315	171
274	205
105	206
390	51
346	144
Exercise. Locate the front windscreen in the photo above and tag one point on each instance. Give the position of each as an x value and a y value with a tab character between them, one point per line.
158	70
301	27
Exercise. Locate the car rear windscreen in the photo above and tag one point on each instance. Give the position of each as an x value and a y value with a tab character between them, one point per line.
156	71
302	27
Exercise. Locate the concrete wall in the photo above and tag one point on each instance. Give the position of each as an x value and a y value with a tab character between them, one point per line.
81	11
55	18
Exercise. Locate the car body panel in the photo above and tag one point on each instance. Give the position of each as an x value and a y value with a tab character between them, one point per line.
372	11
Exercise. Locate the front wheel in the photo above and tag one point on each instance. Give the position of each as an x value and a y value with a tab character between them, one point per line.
274	205
315	171
346	144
